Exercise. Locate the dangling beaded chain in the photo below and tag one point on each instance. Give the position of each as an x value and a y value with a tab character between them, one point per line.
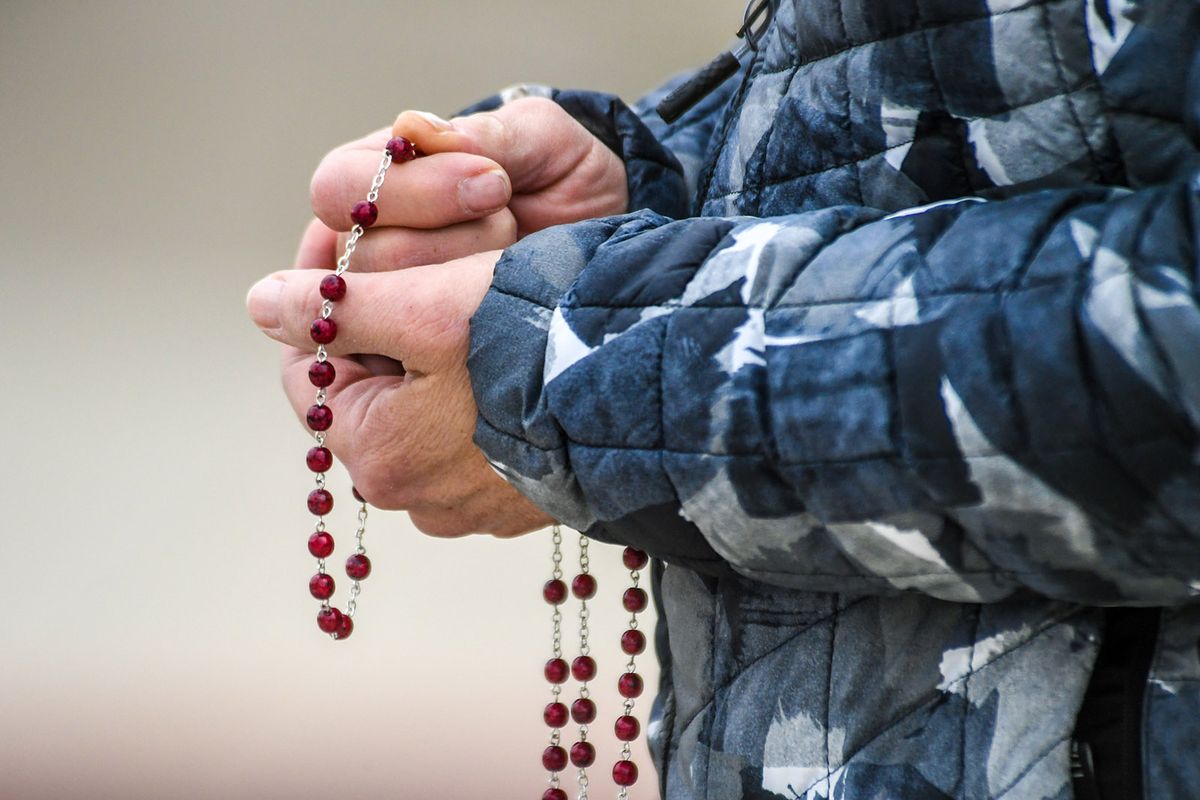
321	374
583	669
554	757
630	684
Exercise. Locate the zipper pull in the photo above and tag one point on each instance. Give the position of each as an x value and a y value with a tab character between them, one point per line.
685	96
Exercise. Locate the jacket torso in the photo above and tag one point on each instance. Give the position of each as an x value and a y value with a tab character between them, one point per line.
780	693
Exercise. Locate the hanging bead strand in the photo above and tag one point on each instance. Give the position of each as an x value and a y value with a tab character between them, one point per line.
583	668
630	684
555	715
321	374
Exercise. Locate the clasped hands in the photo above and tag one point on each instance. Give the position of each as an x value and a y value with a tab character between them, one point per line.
416	277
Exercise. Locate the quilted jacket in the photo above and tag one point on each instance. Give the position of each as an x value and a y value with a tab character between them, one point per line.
895	369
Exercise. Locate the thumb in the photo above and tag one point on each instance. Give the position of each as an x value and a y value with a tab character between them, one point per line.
533	139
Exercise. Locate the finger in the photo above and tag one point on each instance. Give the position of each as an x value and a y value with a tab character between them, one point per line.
430	192
417	316
540	147
353	393
402	443
383	249
318	247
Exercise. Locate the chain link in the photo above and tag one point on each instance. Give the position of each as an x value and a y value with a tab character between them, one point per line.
377	181
362	529
584	650
556	642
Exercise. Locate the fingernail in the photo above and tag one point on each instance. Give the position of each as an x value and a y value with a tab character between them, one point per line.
262	301
486	192
436	122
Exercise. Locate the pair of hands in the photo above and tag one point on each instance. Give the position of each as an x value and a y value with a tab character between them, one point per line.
404	412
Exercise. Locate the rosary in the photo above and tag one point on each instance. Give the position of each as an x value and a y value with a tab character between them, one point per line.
339	625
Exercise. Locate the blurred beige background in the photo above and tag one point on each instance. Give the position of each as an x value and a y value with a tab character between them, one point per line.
159	638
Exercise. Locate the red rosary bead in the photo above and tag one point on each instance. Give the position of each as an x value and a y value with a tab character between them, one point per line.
625	773
329	620
321	374
634	558
321	586
554	793
319	417
554	592
583	754
319	459
633	642
358	566
554	758
555	715
364	213
401	149
584	586
323	331
332	287
556	670
320	544
583	711
345	627
583	668
634	600
320	502
627	728
630	685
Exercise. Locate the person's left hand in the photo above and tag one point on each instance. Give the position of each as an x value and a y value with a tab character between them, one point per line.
406	439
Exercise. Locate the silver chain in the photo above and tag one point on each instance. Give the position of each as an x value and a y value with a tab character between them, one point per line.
357	231
356	587
630	666
556	619
584	649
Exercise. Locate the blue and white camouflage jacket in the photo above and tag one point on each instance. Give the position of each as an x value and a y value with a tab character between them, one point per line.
895	369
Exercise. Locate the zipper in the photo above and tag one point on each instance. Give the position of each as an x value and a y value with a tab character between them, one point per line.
684	97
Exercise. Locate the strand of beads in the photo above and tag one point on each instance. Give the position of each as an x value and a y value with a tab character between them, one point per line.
630	684
319	459
554	757
583	668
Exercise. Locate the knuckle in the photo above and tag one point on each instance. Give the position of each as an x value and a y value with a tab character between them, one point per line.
300	307
496	130
327	188
537	105
504	228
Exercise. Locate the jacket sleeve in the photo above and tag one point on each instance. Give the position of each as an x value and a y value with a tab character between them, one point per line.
966	400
